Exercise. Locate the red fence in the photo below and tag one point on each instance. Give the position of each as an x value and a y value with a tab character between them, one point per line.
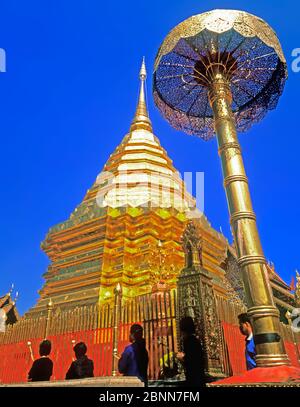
292	350
235	344
16	358
94	326
158	317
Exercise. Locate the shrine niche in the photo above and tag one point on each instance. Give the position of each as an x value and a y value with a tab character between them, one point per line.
196	298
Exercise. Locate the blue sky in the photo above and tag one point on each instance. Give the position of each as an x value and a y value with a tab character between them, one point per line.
67	100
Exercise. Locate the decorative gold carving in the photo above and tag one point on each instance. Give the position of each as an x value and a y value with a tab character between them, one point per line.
196	297
230	145
196	51
232	178
212	328
192	245
242	215
190	301
220	21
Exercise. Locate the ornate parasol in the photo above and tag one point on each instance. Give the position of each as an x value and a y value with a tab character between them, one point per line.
240	46
219	72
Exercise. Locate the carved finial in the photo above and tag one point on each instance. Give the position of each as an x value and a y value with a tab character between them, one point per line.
143	72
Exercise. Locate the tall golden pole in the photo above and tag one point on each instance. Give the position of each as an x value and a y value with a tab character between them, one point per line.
48	318
214	72
261	308
117	306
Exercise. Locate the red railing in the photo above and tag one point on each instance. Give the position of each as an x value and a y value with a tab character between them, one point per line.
159	331
293	353
16	359
235	343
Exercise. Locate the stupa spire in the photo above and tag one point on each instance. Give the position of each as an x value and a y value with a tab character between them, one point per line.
141	118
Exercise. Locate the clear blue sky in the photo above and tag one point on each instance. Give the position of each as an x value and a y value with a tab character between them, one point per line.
68	97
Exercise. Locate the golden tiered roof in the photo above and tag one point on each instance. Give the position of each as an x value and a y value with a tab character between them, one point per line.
139	172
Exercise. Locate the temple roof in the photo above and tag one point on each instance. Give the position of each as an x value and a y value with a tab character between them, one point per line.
8	305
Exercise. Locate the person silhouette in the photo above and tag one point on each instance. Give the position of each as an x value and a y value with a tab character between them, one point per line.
134	359
192	355
82	367
250	350
42	368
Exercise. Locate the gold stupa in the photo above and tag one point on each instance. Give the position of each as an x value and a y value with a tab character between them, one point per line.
128	227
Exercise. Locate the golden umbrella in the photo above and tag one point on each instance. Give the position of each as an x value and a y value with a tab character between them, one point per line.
219	72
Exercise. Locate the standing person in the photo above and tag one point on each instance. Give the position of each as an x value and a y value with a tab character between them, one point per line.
246	329
192	356
81	367
42	368
134	359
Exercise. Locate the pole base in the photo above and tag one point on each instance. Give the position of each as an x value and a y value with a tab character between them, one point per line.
264	376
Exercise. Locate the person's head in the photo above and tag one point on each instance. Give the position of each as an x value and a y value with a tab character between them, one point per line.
245	324
80	349
45	348
187	326
136	332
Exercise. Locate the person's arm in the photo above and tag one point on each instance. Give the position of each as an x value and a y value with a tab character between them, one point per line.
124	362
